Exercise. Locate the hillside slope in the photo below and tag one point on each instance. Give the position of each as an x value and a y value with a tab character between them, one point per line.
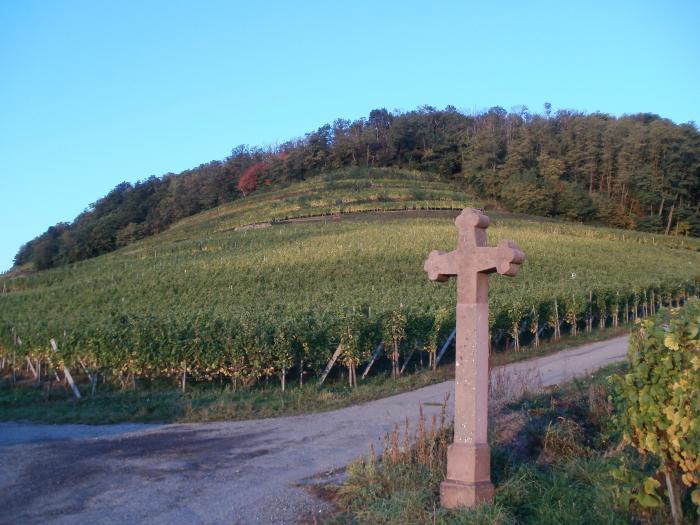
250	303
637	171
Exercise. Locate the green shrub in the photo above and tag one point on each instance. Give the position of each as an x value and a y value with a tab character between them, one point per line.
659	401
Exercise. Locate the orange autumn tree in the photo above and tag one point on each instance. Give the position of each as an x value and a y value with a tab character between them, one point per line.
249	179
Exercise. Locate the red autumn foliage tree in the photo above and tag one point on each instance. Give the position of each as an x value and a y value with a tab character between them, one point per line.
249	180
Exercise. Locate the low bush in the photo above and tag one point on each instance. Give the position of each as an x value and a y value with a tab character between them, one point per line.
659	403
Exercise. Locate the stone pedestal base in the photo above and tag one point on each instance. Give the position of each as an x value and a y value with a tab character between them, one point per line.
468	480
460	495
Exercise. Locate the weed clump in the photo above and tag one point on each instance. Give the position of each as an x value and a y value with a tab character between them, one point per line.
563	441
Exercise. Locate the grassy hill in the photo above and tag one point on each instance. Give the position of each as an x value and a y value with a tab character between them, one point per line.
249	303
639	172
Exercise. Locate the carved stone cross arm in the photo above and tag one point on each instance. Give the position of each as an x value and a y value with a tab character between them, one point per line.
440	266
505	259
472	253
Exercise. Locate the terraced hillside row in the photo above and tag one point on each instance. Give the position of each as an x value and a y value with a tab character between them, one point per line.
339	192
212	302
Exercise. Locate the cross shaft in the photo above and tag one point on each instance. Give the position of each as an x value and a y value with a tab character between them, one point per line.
468	459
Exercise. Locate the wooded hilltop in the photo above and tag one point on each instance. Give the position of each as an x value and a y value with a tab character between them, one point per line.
636	171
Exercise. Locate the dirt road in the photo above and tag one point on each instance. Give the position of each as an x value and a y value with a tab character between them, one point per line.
229	472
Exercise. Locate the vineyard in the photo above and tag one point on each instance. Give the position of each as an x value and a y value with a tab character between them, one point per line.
339	192
204	301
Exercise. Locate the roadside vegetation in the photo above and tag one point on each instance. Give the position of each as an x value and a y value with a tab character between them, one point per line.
550	465
618	447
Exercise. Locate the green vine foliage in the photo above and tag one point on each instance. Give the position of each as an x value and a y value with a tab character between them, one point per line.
354	339
575	307
247	346
394	330
659	397
395	327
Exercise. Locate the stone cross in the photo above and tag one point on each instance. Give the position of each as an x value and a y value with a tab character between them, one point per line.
468	458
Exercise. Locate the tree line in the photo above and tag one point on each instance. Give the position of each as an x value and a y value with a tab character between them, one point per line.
636	171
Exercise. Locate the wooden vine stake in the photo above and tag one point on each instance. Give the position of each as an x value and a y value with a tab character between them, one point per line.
375	356
405	363
66	372
557	322
330	364
18	343
445	347
30	365
91	377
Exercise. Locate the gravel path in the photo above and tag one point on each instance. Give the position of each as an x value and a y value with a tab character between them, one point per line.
228	472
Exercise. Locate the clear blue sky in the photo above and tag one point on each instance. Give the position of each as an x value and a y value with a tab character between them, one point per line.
93	93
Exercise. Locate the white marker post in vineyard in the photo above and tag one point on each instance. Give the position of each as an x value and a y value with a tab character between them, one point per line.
469	457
